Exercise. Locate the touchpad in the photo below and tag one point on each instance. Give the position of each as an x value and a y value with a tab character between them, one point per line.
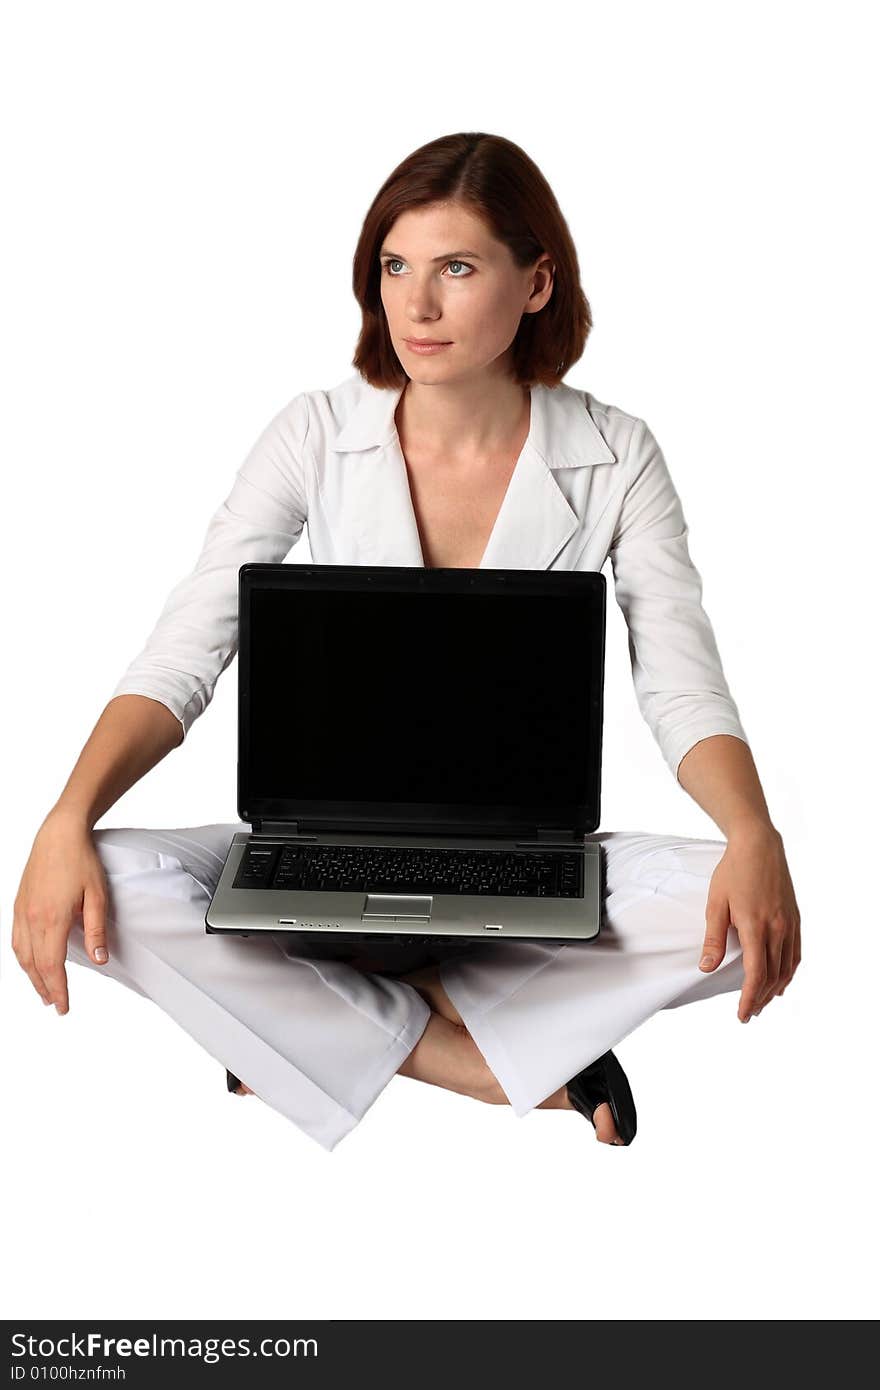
394	907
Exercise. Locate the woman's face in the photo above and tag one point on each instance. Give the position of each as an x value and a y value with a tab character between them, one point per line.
444	276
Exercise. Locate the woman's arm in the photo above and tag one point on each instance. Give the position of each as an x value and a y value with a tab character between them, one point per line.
196	634
678	678
751	888
720	774
63	876
132	735
685	699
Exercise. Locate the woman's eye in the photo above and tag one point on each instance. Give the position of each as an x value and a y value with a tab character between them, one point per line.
394	261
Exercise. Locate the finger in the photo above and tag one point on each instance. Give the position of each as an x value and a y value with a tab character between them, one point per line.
39	984
25	957
715	939
755	970
54	974
766	993
95	924
36	979
774	939
795	955
785	968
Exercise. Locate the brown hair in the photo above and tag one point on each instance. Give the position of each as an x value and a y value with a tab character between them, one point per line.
495	179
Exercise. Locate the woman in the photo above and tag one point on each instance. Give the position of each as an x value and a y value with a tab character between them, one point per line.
455	444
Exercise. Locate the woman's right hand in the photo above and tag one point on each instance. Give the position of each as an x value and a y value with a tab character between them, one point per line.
63	877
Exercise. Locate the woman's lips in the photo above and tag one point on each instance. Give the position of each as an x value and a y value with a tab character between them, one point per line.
425	348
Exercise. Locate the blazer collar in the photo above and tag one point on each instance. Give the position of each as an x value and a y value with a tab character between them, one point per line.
562	431
538	516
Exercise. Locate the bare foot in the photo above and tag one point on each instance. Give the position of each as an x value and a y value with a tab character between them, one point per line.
603	1119
426	981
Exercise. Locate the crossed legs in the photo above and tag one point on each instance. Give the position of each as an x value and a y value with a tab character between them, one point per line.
446	1055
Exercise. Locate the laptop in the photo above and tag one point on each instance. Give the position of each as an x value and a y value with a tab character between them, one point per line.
419	758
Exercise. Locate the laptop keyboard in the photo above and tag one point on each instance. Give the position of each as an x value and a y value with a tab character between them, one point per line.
409	869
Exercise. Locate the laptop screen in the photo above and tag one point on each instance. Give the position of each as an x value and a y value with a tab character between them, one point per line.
420	695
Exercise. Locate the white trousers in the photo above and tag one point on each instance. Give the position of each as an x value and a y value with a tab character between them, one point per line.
318	1039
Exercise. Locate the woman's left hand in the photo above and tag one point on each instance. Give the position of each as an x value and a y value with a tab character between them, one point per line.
751	890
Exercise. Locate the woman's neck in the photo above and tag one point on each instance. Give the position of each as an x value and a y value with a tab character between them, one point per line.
462	422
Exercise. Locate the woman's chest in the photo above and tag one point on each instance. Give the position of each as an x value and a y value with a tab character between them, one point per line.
456	510
385	506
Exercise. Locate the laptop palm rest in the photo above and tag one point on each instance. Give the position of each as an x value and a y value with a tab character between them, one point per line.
393	907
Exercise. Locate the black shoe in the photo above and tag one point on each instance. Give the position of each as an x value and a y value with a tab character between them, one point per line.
605	1080
232	1082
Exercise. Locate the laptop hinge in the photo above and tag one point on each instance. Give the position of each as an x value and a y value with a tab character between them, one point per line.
549	835
287	828
554	835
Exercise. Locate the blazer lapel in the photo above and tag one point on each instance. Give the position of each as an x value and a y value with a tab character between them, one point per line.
535	519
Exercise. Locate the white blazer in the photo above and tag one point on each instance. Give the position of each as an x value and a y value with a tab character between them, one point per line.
591	483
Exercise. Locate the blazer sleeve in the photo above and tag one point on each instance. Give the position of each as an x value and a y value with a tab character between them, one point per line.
196	634
679	683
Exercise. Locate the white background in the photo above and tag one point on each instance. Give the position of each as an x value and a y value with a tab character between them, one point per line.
185	184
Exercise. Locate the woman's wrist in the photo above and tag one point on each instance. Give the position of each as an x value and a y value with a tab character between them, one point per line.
68	817
753	827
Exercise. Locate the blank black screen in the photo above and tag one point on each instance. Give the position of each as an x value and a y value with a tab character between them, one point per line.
394	697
